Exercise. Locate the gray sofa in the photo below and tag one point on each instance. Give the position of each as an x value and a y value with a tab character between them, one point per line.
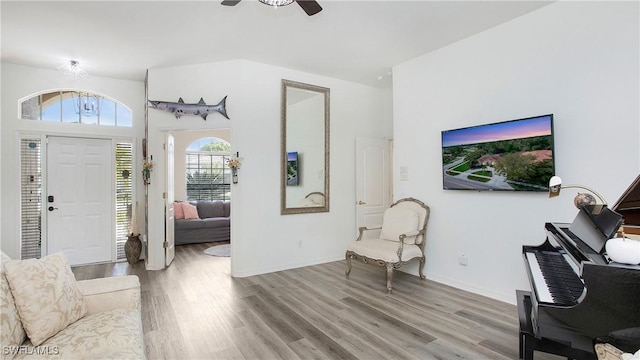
214	223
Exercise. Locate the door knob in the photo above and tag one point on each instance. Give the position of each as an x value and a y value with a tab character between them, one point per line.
360	202
51	208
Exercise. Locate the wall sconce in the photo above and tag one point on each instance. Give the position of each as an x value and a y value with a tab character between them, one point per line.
146	171
582	199
234	163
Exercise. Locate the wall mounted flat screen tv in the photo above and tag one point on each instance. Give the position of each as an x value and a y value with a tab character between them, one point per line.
293	178
514	155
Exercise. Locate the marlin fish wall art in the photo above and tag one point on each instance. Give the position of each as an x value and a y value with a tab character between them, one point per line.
181	108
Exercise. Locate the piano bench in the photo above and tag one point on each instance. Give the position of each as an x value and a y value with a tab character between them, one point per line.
528	341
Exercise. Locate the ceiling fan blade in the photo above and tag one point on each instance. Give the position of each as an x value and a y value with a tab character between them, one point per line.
311	7
230	2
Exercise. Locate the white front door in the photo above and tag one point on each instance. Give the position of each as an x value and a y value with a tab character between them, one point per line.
169	243
79	199
373	181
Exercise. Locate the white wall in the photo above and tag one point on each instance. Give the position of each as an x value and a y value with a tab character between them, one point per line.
577	60
21	81
262	239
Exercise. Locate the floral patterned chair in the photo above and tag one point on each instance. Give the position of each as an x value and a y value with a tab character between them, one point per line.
402	239
47	314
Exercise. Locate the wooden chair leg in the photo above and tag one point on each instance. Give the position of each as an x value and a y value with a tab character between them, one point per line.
348	264
389	277
420	268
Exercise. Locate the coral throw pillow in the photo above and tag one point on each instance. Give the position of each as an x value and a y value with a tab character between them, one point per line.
178	212
190	211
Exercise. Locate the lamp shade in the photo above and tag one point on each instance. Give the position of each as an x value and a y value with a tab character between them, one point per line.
555	184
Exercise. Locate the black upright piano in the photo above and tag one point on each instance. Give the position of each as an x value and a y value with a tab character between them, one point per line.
577	293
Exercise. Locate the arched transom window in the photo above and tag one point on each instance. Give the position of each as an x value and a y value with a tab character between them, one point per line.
79	107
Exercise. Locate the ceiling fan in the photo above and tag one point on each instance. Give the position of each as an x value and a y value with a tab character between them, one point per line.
311	7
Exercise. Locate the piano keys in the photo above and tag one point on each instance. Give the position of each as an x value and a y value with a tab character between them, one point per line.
576	295
555	280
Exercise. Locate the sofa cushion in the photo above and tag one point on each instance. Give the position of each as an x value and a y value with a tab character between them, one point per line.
227	208
384	250
11	333
397	221
190	211
217	222
178	212
46	295
202	223
211	209
116	292
114	334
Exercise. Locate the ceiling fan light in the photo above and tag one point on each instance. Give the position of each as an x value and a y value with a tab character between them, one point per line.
276	3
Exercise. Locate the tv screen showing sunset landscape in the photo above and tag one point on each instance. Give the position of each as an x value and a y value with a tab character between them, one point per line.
514	155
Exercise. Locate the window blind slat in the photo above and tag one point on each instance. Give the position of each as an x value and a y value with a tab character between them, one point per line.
208	176
30	198
124	195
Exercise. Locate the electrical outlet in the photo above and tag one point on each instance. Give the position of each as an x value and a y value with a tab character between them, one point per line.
463	260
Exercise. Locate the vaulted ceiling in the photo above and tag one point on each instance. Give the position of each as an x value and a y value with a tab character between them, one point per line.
357	41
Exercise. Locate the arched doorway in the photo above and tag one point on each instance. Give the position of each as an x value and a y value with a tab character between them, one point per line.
202	175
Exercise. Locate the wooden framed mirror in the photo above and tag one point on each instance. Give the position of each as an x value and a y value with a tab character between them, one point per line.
304	184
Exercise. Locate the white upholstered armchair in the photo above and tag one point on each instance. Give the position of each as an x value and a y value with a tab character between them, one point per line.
402	239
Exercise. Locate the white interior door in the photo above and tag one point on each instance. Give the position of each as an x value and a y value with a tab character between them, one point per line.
79	199
373	181
169	240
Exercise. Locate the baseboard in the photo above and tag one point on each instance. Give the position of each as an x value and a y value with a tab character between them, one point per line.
507	298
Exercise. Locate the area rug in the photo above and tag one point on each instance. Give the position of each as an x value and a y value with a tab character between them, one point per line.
219	250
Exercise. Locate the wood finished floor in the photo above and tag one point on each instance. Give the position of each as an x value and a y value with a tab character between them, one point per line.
196	310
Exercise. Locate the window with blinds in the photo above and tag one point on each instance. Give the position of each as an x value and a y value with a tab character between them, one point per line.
208	176
124	196
31	198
